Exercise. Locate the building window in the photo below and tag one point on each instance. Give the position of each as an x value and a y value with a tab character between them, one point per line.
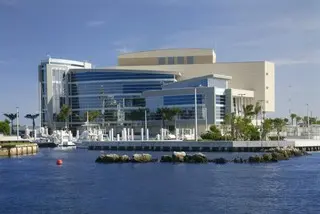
221	99
267	87
182	99
170	60
190	60
161	60
267	73
180	60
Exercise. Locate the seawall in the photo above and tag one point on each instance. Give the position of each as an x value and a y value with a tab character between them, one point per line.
15	150
203	146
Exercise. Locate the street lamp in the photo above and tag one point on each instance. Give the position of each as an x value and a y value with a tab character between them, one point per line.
17	123
196	113
308	121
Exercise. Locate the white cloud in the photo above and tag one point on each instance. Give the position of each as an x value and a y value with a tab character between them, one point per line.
123	50
95	23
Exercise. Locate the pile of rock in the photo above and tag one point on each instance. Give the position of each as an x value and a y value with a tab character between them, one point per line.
115	158
276	155
182	157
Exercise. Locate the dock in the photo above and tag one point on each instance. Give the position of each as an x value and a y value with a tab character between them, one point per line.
202	146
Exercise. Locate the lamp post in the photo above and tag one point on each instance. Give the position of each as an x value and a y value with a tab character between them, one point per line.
17	123
145	123
308	121
195	114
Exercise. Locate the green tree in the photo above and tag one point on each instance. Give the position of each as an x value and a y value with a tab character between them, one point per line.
213	134
167	114
286	120
293	116
298	119
92	115
11	117
257	111
64	114
248	111
5	127
267	127
278	125
32	117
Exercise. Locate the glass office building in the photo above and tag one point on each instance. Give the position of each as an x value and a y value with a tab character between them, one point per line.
117	94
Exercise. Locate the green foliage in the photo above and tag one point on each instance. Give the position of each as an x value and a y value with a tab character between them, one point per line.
11	117
293	116
267	127
32	117
278	125
64	113
213	134
5	127
92	115
167	114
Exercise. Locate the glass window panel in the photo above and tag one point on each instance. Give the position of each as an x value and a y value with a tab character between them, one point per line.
170	60
190	60
180	60
161	60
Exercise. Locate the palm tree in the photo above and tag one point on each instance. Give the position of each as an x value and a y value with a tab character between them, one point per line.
293	116
248	111
278	124
32	117
11	117
257	111
298	119
64	114
167	114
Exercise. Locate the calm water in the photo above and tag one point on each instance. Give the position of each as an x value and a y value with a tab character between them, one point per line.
35	184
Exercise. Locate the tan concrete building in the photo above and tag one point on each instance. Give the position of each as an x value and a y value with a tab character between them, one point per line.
257	77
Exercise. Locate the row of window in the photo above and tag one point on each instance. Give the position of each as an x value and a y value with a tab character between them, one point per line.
221	99
182	99
107	102
176	60
114	88
94	76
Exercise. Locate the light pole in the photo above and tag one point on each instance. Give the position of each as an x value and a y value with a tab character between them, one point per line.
206	117
17	123
195	114
289	100
145	123
308	121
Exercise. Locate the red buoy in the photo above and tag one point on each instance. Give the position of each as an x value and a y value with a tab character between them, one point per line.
59	162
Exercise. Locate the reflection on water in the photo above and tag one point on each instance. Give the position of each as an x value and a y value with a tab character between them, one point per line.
35	184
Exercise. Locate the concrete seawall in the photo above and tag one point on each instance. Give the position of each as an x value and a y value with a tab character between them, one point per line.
29	149
204	146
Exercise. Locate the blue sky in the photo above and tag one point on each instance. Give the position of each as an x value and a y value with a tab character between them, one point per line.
286	32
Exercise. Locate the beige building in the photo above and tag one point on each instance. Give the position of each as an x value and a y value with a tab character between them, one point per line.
257	77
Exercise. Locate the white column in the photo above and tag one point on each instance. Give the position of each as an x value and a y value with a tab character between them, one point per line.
147	134
162	134
142	135
112	134
132	134
195	115
17	121
118	137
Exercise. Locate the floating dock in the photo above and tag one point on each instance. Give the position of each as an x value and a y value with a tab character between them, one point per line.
201	146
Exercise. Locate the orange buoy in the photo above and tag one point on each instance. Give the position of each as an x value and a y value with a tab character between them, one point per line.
59	162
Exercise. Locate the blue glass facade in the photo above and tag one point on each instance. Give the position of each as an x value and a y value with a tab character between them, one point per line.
112	92
220	107
182	100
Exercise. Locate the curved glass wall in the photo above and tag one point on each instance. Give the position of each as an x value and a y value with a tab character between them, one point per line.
116	95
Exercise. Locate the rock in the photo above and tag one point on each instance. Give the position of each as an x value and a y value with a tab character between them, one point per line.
178	156
198	158
238	160
277	156
220	161
267	157
166	158
255	159
125	158
142	158
109	158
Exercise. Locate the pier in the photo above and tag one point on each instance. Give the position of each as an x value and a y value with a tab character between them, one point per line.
203	146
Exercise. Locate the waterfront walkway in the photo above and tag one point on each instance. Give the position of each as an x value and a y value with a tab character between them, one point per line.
203	146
